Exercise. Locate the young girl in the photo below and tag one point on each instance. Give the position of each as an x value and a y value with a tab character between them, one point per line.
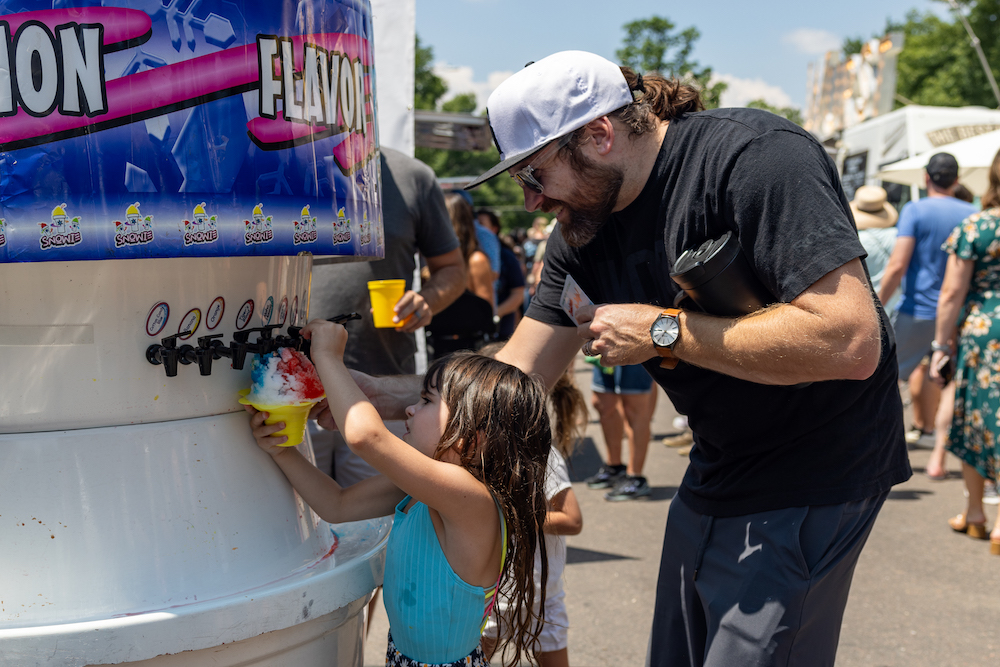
465	483
563	518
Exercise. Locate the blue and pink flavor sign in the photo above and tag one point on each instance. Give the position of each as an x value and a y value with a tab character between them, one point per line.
187	128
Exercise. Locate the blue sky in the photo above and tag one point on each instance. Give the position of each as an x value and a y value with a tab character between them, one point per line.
762	49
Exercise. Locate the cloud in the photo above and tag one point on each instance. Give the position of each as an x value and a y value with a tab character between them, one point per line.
812	41
460	80
741	91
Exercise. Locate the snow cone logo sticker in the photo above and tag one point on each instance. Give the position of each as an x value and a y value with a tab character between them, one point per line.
62	231
136	230
342	228
259	229
267	310
3	232
305	228
215	312
202	229
243	317
283	311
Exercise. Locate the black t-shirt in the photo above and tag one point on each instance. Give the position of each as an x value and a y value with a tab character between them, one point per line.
758	447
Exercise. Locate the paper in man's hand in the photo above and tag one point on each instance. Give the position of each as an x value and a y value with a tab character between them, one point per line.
573	299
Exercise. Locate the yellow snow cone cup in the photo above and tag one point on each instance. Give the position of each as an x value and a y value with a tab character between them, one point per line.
295	417
384	295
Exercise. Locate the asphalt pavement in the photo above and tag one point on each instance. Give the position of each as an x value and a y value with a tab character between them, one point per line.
923	596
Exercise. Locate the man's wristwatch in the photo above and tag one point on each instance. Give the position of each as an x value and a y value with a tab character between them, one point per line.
665	331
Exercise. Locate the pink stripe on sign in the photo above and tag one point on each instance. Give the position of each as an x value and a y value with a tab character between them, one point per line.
163	89
120	25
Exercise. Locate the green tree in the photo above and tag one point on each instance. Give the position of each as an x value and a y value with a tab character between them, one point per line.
428	87
461	103
851	46
791	113
938	65
655	45
501	194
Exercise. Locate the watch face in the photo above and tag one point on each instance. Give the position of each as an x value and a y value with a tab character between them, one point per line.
665	331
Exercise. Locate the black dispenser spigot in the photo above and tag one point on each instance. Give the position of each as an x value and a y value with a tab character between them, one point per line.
207	351
167	353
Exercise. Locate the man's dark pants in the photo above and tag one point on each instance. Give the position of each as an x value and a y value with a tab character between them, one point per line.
760	589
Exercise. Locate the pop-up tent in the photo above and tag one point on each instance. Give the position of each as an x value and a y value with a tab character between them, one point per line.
974	155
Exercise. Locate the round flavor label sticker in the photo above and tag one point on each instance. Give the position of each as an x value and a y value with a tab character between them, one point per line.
215	313
295	311
157	318
190	323
266	311
243	317
283	311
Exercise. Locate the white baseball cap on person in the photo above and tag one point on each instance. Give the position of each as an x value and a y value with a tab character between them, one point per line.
549	99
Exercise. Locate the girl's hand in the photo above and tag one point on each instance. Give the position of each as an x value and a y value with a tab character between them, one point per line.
262	432
321	413
327	338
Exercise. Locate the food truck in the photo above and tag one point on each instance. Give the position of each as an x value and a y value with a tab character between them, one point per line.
167	172
866	148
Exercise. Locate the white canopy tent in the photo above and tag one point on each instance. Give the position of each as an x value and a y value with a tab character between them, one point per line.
975	156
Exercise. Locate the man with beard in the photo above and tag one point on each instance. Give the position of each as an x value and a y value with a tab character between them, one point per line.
795	410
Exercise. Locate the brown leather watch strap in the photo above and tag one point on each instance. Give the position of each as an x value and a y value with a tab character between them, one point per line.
669	361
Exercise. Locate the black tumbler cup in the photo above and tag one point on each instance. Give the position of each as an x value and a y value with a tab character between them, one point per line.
719	279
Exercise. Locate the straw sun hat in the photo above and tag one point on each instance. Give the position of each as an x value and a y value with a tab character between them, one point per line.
871	208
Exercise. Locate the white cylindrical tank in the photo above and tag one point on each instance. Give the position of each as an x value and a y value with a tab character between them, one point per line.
167	176
138	518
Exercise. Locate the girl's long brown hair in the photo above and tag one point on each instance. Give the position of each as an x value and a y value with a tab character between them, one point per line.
570	410
992	196
463	222
569	407
499	426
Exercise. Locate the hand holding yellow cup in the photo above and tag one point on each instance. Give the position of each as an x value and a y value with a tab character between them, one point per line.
294	415
384	295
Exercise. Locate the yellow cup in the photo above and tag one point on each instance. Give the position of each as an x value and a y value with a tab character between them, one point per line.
384	294
295	417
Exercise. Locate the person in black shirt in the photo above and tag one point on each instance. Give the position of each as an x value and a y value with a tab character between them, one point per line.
795	409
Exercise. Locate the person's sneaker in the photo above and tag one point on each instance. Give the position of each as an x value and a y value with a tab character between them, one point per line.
629	487
990	496
679	440
606	477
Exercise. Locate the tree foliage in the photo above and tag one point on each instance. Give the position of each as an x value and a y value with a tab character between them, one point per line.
655	45
791	113
428	87
938	64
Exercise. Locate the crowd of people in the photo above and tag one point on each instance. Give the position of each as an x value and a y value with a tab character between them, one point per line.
946	256
794	410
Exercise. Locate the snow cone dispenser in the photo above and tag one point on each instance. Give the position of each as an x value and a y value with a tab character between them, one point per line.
167	174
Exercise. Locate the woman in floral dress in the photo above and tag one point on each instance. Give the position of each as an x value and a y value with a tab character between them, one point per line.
968	332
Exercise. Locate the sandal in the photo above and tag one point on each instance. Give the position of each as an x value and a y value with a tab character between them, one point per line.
976	531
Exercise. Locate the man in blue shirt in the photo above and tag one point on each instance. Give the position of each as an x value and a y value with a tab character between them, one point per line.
923	227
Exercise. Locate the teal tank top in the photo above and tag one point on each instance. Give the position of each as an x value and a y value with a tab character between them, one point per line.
434	615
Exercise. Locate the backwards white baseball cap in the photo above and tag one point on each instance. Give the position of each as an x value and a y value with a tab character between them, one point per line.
548	99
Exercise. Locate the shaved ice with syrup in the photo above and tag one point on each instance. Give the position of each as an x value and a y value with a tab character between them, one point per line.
286	386
284	377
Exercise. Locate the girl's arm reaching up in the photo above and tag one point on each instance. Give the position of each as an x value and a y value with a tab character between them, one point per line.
448	488
370	498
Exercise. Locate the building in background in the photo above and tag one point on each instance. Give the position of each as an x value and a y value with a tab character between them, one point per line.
843	92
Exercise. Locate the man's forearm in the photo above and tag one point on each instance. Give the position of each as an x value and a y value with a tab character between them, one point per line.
781	345
443	287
